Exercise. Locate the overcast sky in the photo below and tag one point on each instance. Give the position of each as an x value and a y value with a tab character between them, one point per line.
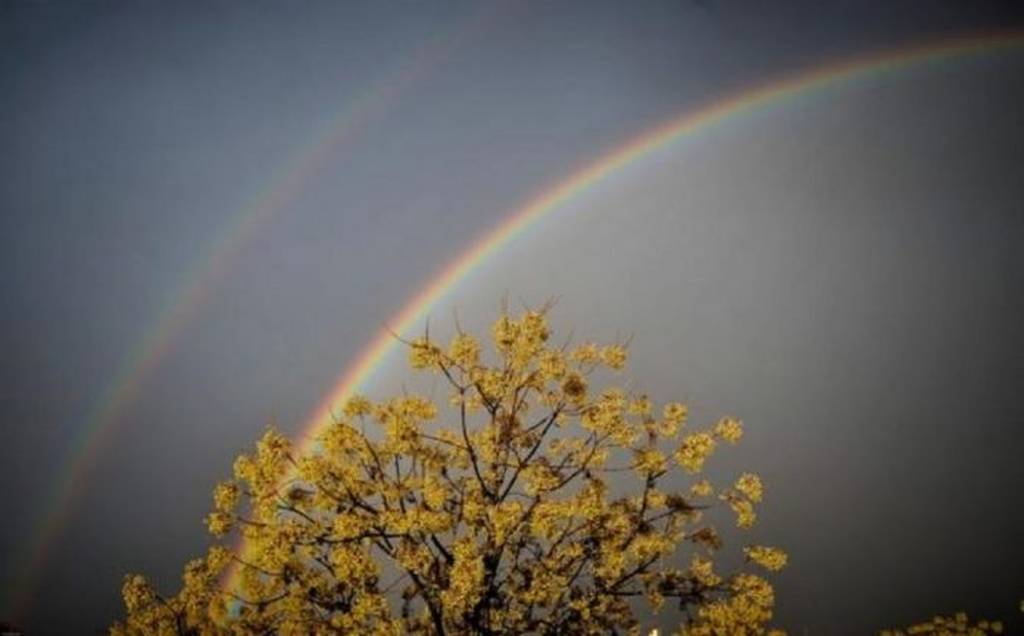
840	269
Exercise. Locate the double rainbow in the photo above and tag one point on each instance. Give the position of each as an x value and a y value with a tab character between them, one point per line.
199	280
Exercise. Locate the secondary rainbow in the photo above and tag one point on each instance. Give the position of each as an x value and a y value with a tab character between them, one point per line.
412	316
199	280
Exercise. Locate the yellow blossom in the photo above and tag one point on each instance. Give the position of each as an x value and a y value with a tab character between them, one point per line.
640	405
769	558
588	353
702	488
650	460
423	354
750	485
694	450
701	570
225	496
729	429
745	515
552	364
357	406
219	523
464	350
575	387
675	413
614	357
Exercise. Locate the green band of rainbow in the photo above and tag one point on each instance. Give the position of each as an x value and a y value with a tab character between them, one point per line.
413	315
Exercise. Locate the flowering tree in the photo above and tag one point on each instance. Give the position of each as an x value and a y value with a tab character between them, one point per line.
495	515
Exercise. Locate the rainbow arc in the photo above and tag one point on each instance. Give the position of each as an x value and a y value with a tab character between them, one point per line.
413	315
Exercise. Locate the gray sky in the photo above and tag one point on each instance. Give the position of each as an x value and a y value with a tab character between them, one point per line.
839	270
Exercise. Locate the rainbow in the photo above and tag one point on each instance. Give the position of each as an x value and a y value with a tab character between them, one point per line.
414	313
179	308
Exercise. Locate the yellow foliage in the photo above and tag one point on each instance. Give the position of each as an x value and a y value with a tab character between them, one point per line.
491	515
